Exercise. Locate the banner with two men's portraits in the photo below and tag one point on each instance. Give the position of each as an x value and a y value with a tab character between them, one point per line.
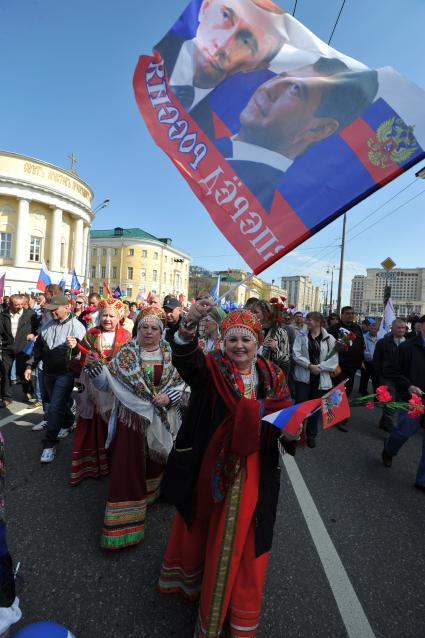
276	132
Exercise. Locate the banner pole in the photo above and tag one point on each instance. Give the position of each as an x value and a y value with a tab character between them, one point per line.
234	287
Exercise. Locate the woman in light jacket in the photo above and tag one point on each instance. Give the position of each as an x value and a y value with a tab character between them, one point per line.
312	369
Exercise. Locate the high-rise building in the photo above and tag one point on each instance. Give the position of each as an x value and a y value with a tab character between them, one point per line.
407	291
357	291
138	263
45	217
301	292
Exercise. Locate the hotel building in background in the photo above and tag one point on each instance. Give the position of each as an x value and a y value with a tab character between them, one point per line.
138	263
45	216
407	291
302	293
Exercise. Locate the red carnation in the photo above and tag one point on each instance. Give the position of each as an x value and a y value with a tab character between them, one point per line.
291	306
274	300
415	399
283	299
370	405
382	394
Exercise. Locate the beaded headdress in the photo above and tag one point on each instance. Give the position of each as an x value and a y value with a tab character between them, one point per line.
241	322
114	304
150	314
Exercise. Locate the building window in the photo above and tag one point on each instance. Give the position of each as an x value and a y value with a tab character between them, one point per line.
114	272
104	252
154	275
165	277
94	252
131	252
5	244
103	275
165	259
35	248
144	253
93	272
155	255
91	290
100	290
129	272
143	274
129	292
115	251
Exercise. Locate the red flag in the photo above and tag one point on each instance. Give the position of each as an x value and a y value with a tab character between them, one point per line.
335	407
107	288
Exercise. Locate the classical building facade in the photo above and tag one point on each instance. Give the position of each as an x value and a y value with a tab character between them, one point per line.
138	263
201	282
301	292
407	291
45	216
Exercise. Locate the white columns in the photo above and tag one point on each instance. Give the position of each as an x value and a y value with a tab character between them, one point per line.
78	245
85	253
108	263
22	245
55	240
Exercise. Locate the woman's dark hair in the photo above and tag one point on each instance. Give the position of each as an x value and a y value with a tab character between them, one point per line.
263	305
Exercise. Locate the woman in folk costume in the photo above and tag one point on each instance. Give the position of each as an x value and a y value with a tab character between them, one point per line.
223	475
211	337
142	428
89	457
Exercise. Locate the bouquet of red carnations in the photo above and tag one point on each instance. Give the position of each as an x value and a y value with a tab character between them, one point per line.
383	398
343	343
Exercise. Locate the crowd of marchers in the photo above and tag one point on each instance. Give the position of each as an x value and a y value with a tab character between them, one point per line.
169	400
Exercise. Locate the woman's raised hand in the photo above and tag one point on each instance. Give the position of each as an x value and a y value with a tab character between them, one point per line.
198	311
71	342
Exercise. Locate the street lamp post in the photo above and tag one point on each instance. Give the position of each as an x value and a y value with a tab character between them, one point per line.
331	271
95	210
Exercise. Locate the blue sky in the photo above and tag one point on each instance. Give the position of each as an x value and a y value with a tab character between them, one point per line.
66	72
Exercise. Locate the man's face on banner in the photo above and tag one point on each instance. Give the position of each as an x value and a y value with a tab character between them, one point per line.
281	113
226	42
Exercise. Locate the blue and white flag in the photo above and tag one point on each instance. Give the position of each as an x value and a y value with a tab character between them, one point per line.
75	284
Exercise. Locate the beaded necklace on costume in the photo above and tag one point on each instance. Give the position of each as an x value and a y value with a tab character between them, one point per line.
250	382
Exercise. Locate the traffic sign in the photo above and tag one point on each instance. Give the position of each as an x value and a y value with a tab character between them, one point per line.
388	263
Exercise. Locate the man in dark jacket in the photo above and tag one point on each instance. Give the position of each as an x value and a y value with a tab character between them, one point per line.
52	346
16	324
408	373
386	353
349	360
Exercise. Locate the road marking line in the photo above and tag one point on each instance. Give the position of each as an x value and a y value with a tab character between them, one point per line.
350	608
12	417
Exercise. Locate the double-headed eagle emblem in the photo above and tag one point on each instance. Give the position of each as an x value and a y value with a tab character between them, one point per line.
394	143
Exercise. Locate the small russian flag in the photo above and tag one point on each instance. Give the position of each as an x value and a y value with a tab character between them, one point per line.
43	279
290	419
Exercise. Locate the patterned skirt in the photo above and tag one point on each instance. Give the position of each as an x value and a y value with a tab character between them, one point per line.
89	457
214	560
134	484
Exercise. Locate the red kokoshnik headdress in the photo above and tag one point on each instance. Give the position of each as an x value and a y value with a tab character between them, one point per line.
152	313
241	322
114	304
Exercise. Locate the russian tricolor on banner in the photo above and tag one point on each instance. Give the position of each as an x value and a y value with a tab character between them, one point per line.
290	419
44	279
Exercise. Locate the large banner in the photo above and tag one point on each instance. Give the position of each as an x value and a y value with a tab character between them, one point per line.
275	132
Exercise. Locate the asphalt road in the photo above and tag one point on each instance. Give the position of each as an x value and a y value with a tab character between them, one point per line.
373	515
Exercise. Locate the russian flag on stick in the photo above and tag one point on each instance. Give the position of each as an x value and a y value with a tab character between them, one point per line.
290	419
43	279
